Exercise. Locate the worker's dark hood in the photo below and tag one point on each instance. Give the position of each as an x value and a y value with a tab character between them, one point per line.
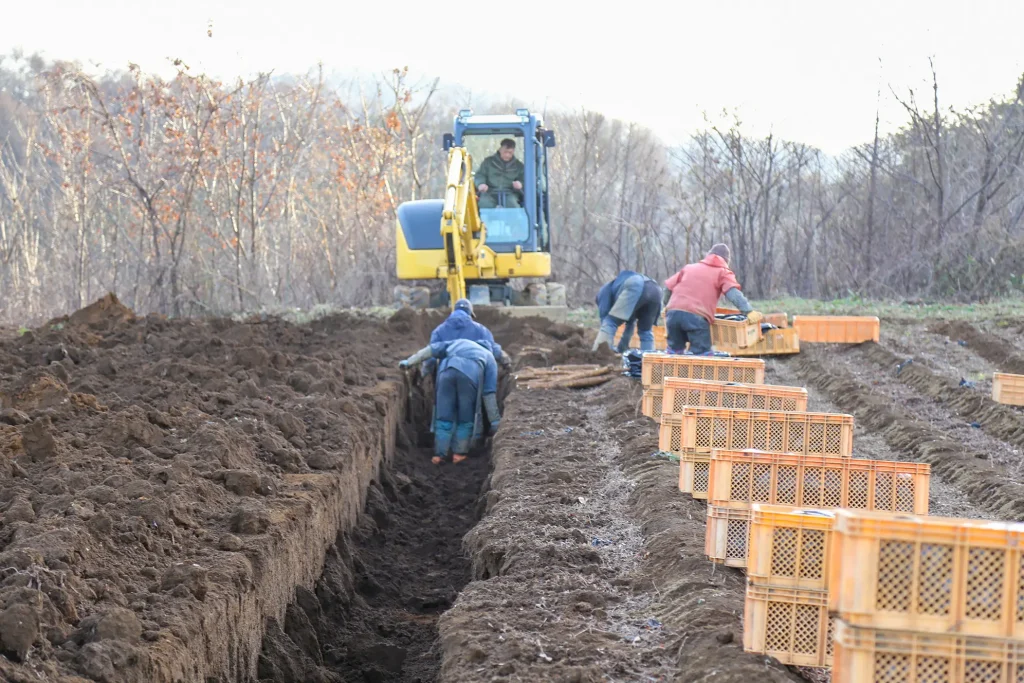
459	320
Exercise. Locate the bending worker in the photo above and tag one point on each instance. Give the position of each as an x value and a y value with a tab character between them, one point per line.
467	381
695	291
461	324
633	299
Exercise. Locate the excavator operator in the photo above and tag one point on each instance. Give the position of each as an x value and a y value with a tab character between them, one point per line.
467	384
500	173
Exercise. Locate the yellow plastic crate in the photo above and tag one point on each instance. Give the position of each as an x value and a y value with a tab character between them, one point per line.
765	430
836	329
680	392
866	655
1008	389
928	574
791	625
735	334
789	546
657	366
773	343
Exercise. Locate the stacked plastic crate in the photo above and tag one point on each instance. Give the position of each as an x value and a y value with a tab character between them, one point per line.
926	599
657	367
773	513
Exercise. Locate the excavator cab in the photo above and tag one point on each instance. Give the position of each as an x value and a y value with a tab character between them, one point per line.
513	226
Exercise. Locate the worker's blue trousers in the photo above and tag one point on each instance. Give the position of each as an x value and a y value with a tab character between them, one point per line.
455	412
683	327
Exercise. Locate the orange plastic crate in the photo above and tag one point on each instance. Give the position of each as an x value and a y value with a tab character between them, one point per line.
789	546
660	337
694	470
836	329
928	574
734	334
680	392
791	625
738	478
766	430
727	535
773	343
657	366
1008	389
777	319
651	402
866	655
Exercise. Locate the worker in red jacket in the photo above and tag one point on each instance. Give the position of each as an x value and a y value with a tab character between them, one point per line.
695	291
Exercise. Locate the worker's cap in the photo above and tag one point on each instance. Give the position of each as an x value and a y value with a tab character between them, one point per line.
465	305
721	250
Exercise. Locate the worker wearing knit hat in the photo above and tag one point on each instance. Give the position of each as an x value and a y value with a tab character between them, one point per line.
695	291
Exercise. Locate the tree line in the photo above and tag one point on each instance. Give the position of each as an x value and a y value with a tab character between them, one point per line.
190	196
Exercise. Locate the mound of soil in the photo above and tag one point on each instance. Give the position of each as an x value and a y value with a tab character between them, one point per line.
159	479
589	564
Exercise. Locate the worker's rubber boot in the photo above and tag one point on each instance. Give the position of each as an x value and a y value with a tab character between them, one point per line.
443	432
603	337
463	436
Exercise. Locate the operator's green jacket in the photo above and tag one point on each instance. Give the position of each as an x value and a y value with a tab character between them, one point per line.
498	174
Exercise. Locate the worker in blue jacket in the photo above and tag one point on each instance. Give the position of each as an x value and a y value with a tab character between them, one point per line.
467	385
633	299
461	324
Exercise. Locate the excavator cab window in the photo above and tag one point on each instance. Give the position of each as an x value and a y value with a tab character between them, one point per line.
502	209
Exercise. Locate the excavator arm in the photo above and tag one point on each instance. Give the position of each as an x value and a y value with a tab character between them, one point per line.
463	232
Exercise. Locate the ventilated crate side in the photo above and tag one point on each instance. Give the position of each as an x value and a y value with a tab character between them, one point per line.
866	655
651	402
734	333
928	574
791	625
777	319
660	338
789	546
837	329
694	472
740	477
657	366
1008	389
773	343
727	535
825	434
679	393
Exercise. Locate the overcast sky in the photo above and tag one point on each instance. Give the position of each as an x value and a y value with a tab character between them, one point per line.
807	70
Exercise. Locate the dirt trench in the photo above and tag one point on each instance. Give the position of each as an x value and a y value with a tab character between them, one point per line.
373	613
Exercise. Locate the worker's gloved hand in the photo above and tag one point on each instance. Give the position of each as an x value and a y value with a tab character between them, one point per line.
494	426
403	364
506	360
754	317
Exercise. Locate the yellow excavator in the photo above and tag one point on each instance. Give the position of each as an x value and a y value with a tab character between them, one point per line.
479	251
